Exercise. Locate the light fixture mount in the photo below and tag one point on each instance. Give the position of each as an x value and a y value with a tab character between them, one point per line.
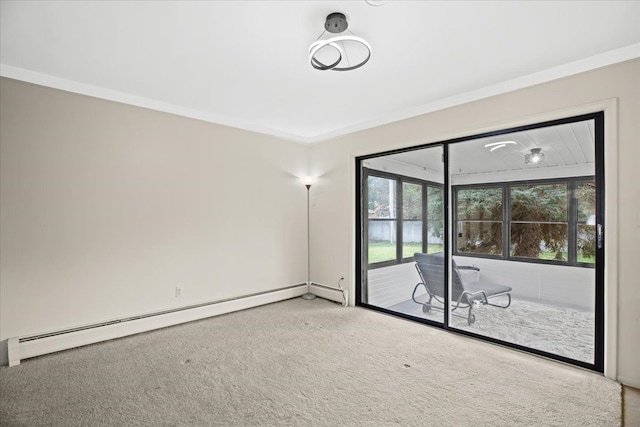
336	23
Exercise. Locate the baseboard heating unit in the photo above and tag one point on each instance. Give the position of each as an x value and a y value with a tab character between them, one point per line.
20	348
333	294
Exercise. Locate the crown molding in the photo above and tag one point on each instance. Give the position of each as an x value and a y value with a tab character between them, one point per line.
623	54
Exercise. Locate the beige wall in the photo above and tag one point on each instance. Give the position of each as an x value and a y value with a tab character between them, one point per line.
333	211
106	208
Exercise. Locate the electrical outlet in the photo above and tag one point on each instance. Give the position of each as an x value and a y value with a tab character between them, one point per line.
179	291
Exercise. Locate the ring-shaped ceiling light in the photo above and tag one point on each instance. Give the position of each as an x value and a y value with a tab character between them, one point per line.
319	44
337	23
314	48
493	144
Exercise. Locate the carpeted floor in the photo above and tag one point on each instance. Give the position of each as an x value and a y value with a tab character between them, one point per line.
303	363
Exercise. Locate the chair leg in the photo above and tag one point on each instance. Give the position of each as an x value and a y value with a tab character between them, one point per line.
427	306
471	318
501	306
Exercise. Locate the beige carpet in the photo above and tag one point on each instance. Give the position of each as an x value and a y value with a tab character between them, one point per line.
302	363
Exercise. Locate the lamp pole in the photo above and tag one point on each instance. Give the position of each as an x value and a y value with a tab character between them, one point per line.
308	296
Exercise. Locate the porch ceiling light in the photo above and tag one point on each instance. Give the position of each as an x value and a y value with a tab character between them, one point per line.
535	156
497	145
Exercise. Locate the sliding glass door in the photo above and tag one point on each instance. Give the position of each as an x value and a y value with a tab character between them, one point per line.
403	215
498	236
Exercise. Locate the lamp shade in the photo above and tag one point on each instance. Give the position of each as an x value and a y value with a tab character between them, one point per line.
308	180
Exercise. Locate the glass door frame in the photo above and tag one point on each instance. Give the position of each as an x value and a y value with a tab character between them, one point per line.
599	175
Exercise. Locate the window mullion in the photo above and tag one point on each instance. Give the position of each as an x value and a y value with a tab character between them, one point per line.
572	226
506	221
425	219
361	289
399	219
455	225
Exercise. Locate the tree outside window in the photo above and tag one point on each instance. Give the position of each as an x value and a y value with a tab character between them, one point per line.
539	221
411	219
381	195
541	217
586	229
435	220
479	214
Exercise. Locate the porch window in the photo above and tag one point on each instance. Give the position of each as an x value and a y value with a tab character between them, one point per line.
480	220
404	216
382	221
546	221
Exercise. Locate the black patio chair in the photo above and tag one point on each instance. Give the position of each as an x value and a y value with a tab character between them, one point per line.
464	293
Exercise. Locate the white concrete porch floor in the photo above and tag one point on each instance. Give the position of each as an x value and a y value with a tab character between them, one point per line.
564	331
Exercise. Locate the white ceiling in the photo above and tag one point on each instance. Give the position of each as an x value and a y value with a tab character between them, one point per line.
569	150
563	145
245	64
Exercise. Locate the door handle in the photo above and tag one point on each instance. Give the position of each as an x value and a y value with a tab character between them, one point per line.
599	236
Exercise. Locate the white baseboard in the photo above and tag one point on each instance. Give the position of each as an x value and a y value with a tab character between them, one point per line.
631	382
24	348
13	351
333	294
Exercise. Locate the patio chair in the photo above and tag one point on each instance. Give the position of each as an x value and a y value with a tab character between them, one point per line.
464	293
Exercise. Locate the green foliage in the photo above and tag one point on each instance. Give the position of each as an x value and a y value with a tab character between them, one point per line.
382	195
435	208
411	201
538	204
480	204
586	195
587	241
539	217
386	251
435	212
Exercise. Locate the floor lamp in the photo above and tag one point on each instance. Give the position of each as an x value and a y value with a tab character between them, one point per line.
307	181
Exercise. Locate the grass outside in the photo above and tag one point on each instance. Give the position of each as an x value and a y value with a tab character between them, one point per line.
386	251
581	258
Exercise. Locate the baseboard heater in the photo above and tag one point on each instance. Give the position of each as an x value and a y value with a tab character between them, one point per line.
20	348
333	294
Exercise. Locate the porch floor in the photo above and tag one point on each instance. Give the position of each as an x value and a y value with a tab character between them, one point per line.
564	331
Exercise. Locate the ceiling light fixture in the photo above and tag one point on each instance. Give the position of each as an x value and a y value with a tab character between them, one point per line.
535	156
331	59
499	144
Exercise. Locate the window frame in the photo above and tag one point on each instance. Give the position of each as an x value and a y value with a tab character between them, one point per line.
399	180
572	219
457	221
602	195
